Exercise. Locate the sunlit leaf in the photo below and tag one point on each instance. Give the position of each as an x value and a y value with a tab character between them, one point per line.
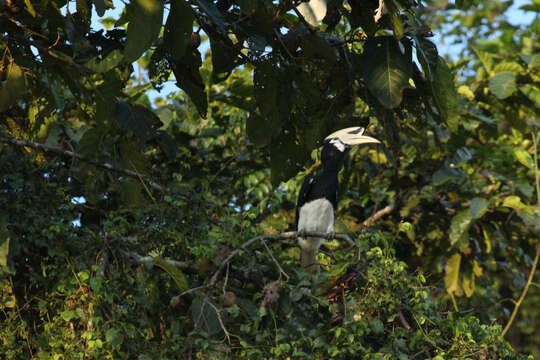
503	84
178	276
514	202
13	87
523	157
451	277
112	60
532	92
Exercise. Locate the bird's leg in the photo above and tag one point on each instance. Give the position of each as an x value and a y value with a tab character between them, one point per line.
330	236
301	233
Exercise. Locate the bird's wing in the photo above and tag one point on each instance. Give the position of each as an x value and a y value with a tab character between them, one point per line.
303	194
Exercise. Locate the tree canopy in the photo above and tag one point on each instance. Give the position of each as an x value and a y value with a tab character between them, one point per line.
139	224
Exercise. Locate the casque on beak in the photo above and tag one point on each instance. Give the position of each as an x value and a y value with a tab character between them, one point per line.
352	136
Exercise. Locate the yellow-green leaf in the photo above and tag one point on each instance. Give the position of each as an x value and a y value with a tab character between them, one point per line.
178	276
514	202
523	157
451	277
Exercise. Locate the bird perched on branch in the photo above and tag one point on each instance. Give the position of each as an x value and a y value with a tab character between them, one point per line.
318	197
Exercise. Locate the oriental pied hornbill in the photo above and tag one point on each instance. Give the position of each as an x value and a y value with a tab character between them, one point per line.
318	197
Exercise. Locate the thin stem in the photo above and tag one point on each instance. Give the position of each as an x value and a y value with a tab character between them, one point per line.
524	292
536	174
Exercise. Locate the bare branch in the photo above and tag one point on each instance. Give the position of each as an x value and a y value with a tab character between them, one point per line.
67	153
274	259
379	214
524	292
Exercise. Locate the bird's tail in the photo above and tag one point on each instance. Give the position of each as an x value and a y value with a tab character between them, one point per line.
307	259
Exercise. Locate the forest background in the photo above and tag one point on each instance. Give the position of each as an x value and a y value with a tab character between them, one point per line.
143	224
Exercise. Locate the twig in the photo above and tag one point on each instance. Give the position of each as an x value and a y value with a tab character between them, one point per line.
102	263
524	292
274	259
67	153
283	235
379	214
220	321
403	321
182	265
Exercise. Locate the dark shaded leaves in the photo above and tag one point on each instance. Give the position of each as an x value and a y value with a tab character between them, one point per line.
387	69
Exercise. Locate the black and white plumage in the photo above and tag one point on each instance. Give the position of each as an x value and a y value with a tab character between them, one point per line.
318	197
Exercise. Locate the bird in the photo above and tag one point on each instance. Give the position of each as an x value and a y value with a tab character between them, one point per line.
318	196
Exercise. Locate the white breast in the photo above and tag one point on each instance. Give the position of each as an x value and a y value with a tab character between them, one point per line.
315	216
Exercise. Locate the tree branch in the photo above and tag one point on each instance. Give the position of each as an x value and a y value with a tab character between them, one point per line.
379	214
524	292
67	153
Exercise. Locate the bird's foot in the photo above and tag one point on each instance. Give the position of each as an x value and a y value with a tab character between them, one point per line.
301	233
330	236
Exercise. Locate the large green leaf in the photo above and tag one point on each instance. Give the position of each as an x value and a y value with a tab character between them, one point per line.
459	226
137	119
223	59
180	280
178	28
108	63
270	85
4	245
13	87
189	79
387	69
503	84
145	17
478	208
445	94
212	11
451	277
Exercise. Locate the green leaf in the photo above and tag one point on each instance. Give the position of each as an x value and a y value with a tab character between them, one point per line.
223	59
503	84
259	129
178	276
108	63
443	176
13	87
478	208
4	245
212	11
387	69
206	315
30	8
459	226
178	28
445	94
189	79
508	66
451	277
137	119
286	158
532	92
469	284
114	337
145	17
523	157
102	5
514	202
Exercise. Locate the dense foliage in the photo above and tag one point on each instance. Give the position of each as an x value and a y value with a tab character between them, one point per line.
120	209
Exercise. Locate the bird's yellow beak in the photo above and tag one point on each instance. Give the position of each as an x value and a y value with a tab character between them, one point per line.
352	136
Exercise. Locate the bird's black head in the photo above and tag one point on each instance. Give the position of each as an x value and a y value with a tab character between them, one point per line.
333	153
338	144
